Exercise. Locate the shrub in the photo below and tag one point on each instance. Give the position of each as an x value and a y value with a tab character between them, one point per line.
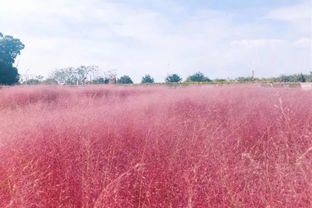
147	79
198	77
100	80
32	82
125	80
173	78
49	82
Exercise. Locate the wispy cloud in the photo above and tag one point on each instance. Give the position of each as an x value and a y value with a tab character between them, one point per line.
299	17
294	13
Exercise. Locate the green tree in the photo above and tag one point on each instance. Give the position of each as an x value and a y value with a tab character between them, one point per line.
301	78
173	78
10	48
100	80
219	80
293	78
147	79
245	79
8	74
284	78
309	77
198	77
125	80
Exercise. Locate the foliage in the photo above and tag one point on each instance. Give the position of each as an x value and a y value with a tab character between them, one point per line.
155	147
124	80
198	77
173	78
220	80
49	82
100	80
72	75
245	79
8	75
301	78
32	82
284	78
10	48
295	78
147	79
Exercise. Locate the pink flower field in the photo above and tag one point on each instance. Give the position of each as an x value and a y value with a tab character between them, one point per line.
188	147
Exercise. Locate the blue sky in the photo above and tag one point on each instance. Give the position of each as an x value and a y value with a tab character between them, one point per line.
222	38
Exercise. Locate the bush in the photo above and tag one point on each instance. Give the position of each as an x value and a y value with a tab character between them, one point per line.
32	82
125	80
49	82
173	78
245	79
295	78
198	77
101	80
147	79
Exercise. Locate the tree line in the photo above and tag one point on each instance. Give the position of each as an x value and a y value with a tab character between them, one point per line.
90	75
11	47
93	75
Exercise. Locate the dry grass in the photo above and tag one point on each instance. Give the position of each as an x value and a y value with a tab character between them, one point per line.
201	146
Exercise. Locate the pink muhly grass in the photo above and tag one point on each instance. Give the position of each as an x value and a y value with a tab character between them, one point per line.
201	146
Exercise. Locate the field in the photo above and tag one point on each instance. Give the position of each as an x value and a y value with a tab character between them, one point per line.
200	146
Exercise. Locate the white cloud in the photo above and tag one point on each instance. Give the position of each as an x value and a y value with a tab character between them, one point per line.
298	16
304	42
137	40
272	56
298	12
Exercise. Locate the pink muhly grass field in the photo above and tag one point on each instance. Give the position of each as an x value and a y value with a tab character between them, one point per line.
204	146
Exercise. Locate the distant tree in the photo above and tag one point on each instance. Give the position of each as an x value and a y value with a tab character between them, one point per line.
294	78
39	77
219	80
64	76
284	78
173	78
49	81
301	78
110	76
245	79
147	79
32	82
10	48
198	77
72	75
124	80
309	77
100	80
